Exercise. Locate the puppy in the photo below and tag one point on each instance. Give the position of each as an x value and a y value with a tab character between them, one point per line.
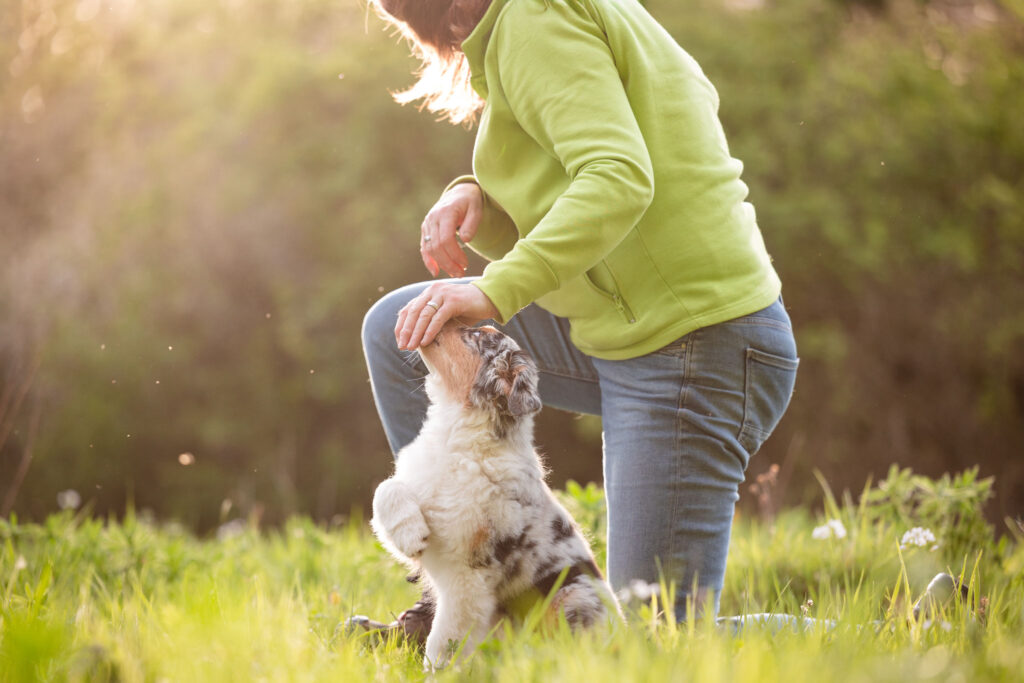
468	508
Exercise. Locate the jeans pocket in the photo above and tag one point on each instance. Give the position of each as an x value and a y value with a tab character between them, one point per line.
768	386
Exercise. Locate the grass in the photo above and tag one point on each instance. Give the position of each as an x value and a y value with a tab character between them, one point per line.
133	600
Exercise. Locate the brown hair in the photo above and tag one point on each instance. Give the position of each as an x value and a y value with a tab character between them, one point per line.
435	30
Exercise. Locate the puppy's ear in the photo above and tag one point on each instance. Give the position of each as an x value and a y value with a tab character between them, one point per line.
522	398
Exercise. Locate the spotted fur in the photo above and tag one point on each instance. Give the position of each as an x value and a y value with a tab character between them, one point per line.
468	508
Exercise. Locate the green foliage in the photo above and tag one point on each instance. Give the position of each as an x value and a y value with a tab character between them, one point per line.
586	505
952	507
86	600
196	211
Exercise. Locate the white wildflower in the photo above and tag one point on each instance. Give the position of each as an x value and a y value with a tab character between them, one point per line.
638	589
68	500
232	529
20	563
918	536
833	528
838	530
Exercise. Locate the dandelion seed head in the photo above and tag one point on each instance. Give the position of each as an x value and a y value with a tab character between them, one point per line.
68	500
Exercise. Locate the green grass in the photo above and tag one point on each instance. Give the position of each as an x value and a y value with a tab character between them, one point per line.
91	600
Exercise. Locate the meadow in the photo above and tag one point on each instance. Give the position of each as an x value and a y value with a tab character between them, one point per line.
86	599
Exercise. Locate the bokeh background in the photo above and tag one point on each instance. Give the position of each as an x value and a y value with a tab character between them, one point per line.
199	199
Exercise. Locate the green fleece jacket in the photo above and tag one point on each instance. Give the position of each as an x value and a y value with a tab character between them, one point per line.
610	195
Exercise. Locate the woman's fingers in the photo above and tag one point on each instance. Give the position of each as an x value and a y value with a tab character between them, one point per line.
414	318
439	246
455	216
452	254
422	318
420	322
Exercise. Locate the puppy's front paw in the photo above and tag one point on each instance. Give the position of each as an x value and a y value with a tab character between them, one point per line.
410	537
398	520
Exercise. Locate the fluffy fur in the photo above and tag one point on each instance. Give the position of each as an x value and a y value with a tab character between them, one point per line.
467	507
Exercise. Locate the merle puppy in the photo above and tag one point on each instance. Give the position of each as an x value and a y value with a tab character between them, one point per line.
468	509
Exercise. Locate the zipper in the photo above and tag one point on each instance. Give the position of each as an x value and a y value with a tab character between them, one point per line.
620	303
623	308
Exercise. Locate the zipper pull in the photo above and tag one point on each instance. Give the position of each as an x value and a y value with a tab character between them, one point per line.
628	315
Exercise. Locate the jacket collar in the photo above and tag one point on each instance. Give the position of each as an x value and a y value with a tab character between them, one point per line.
475	46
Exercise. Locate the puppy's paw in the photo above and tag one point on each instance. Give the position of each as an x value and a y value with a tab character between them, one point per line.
397	519
410	537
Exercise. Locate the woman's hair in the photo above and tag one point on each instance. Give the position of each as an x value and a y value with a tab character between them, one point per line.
435	30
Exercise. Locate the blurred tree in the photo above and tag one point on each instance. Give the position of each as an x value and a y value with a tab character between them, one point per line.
199	201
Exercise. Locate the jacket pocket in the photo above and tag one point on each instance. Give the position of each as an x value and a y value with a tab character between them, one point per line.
768	387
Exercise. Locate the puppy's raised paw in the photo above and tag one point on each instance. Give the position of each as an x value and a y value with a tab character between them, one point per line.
410	537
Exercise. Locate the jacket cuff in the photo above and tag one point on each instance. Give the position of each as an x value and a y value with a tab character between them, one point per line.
516	281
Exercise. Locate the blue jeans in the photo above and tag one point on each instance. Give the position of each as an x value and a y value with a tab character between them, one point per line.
680	425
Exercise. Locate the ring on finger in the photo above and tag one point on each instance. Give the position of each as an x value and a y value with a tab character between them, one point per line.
435	305
426	238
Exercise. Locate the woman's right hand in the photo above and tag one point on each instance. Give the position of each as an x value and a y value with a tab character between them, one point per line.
454	217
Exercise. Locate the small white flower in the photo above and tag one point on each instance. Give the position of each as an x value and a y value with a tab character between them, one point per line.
232	529
68	500
638	589
643	590
20	563
838	530
918	536
833	528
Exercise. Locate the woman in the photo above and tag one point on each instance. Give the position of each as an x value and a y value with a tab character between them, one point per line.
624	258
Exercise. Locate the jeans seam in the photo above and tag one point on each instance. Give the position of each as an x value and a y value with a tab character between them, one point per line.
684	362
568	375
761	322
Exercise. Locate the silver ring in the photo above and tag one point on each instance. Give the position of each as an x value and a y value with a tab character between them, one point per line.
426	238
435	305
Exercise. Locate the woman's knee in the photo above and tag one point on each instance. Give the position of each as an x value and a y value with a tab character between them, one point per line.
379	321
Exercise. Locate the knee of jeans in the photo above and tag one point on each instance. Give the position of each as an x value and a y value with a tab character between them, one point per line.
379	321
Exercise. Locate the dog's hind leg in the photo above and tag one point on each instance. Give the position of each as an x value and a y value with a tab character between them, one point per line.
583	604
398	520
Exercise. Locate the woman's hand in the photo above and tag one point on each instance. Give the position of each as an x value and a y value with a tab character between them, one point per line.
422	318
456	213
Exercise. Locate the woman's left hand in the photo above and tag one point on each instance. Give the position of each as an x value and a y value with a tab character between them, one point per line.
422	318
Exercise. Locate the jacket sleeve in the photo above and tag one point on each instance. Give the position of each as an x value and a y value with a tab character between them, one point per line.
496	234
560	79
